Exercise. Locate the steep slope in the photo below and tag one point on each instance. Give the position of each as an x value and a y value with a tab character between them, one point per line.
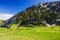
37	14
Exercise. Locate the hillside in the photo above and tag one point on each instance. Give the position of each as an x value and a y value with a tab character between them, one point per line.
47	12
1	21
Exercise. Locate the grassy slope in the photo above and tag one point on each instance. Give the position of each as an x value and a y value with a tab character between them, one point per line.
24	33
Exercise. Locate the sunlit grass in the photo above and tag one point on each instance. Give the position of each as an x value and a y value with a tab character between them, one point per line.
30	33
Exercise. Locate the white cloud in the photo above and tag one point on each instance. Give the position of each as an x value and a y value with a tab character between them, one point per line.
5	16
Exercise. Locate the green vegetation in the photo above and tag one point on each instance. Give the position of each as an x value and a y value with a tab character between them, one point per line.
30	33
28	24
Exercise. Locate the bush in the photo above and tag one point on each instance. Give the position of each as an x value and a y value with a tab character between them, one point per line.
29	25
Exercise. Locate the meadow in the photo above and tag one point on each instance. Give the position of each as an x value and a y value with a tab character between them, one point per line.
30	33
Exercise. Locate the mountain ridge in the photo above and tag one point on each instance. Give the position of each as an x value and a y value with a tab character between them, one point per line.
37	14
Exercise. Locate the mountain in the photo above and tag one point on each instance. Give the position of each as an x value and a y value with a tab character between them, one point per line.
39	14
1	21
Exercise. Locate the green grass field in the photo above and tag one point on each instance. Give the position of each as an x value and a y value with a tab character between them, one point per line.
27	33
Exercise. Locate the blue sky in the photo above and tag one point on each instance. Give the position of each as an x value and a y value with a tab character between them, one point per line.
12	7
